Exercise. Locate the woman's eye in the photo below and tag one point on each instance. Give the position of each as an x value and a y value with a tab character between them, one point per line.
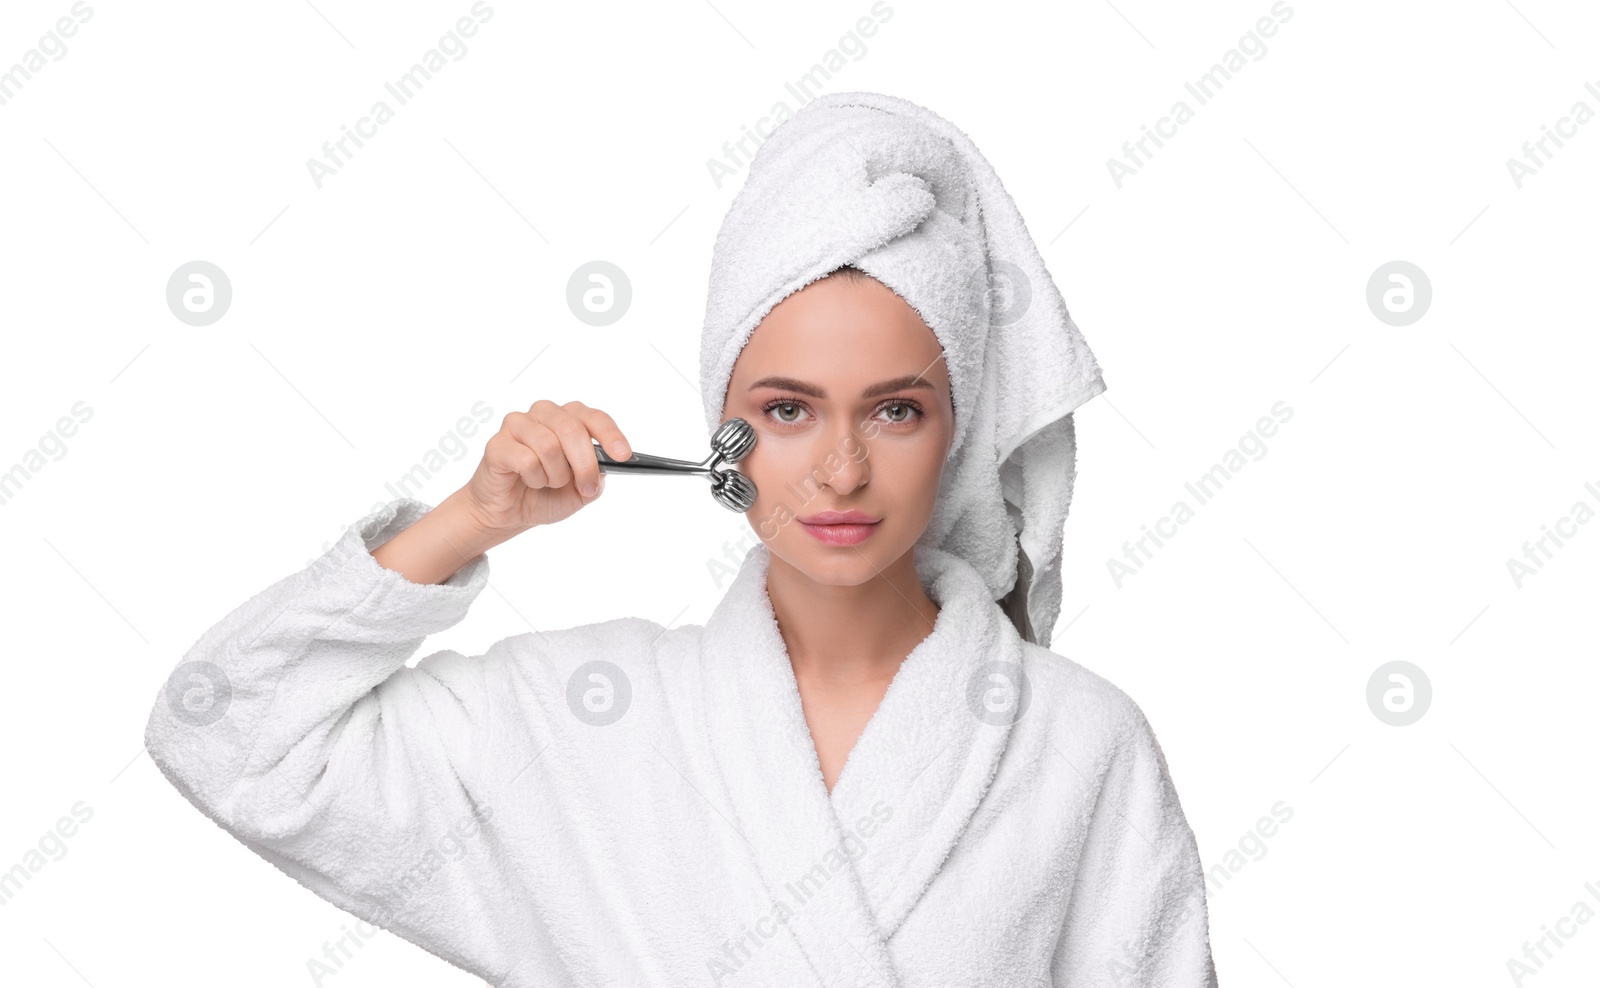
907	412
780	406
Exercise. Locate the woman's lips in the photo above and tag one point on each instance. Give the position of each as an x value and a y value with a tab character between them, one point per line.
840	534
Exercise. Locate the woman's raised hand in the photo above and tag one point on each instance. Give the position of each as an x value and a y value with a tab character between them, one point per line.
541	466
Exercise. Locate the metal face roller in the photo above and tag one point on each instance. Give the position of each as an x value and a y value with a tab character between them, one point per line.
732	489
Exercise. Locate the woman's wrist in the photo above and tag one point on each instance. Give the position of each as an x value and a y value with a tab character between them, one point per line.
438	544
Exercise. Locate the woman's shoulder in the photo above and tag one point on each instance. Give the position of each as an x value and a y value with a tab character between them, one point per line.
638	646
569	668
1075	699
622	639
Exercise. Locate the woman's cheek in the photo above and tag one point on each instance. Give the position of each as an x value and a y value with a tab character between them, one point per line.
778	464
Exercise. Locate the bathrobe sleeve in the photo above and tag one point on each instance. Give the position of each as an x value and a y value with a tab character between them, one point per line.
1136	916
295	724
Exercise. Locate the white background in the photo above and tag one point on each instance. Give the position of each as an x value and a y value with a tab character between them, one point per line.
430	274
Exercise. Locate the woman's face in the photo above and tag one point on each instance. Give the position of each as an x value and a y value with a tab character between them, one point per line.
849	395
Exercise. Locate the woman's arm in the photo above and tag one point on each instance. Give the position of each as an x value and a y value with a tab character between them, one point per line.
1137	915
297	726
440	543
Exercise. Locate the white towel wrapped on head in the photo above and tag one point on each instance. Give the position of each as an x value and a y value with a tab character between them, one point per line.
894	189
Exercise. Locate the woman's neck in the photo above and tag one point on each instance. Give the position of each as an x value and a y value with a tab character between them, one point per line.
847	634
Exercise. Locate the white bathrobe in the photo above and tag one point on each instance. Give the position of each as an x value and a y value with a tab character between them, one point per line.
660	818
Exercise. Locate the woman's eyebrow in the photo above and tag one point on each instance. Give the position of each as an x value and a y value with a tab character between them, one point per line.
791	384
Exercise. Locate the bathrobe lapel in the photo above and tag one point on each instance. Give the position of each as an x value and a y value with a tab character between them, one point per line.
849	867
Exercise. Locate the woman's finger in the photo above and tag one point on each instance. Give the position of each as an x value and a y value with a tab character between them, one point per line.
602	427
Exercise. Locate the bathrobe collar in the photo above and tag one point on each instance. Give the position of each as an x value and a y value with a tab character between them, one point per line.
851	865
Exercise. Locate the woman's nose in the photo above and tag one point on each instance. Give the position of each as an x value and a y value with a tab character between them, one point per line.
849	462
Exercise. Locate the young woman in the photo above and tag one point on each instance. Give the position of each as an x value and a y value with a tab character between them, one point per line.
864	769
